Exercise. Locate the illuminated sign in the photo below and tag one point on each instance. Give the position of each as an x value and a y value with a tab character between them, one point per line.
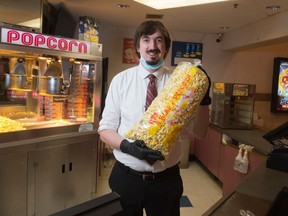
30	39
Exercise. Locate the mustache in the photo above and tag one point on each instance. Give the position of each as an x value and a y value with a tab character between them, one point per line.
153	51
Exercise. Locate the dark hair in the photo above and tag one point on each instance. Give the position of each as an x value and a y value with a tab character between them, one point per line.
150	27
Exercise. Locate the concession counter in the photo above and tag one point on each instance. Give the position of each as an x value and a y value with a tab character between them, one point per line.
50	95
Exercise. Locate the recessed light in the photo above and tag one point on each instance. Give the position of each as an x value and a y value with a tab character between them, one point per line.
224	27
273	7
123	6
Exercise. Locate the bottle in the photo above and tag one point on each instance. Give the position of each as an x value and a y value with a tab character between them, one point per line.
243	166
238	157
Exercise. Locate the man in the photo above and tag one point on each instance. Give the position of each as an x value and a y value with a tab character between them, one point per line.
138	176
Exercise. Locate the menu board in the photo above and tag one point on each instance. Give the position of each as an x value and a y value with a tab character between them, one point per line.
186	52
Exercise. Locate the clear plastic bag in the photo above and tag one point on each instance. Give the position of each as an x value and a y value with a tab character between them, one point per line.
174	106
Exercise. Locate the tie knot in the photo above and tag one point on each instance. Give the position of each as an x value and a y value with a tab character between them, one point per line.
151	77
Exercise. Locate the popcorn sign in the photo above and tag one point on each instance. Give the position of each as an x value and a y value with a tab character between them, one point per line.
30	39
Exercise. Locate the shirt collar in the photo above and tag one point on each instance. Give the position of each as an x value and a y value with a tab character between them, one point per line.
144	73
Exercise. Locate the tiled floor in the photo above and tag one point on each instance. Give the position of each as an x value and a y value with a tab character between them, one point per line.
201	188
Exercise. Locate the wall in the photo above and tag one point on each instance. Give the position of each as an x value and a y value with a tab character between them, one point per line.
252	65
271	30
255	65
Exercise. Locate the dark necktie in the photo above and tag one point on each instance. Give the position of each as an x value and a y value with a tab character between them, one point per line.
151	90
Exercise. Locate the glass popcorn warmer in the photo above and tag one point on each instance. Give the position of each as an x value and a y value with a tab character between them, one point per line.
232	105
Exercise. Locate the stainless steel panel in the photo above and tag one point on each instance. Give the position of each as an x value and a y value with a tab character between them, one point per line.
49	85
50	180
81	184
61	174
13	184
97	93
18	82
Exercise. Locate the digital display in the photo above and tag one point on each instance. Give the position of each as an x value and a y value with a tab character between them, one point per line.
279	102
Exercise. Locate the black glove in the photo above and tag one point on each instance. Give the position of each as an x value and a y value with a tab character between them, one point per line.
206	99
139	150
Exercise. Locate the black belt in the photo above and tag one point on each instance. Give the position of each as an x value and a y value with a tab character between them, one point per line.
149	176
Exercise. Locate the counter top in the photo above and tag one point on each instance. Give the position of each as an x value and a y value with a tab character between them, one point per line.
45	137
264	183
253	137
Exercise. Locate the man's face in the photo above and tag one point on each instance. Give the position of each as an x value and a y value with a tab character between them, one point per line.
152	47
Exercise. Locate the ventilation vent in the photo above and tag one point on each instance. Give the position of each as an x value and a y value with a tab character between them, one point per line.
154	16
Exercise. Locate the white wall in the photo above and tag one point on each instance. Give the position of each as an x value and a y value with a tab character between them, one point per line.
254	65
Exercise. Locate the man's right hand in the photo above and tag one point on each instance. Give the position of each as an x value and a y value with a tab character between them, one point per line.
139	150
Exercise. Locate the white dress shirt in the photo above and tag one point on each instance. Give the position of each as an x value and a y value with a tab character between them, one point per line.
125	105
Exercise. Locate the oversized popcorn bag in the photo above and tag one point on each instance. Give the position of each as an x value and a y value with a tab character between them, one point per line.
174	106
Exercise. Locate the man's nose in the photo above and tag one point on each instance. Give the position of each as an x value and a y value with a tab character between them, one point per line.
153	44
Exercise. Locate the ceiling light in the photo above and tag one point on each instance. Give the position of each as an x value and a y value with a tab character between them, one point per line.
165	4
123	6
273	7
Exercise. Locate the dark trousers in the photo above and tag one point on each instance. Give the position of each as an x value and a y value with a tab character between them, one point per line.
159	196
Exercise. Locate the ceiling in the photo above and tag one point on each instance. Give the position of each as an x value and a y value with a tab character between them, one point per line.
208	18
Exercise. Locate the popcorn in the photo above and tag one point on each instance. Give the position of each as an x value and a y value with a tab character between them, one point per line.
174	106
8	125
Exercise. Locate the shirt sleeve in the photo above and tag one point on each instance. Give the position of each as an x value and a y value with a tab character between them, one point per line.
111	113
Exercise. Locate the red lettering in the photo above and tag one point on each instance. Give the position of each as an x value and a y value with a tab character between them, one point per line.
62	44
71	43
12	36
39	40
82	46
50	40
43	41
27	39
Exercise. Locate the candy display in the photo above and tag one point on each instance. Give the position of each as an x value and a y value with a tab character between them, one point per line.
174	106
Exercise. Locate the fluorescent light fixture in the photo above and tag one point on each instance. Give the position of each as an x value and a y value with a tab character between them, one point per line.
165	4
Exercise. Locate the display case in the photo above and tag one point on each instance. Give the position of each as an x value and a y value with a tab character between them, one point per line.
48	81
232	105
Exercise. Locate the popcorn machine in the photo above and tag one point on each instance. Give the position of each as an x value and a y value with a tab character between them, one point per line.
232	105
48	81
